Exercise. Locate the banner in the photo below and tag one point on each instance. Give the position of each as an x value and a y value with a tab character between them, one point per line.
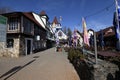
118	24
85	33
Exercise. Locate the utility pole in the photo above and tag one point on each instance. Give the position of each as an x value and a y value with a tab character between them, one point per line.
118	25
95	47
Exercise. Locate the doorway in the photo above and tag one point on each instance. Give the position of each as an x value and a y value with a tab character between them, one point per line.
28	44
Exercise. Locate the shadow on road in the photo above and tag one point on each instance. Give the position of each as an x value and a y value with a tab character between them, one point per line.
36	56
15	70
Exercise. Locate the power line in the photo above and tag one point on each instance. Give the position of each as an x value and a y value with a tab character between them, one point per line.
100	11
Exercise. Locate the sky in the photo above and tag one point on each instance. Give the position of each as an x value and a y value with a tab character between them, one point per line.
97	13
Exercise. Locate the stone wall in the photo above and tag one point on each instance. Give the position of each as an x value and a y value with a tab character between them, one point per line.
2	48
105	71
15	49
11	52
22	45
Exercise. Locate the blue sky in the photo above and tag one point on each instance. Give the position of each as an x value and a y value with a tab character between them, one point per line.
71	11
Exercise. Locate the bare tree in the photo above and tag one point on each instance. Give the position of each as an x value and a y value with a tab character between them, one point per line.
5	10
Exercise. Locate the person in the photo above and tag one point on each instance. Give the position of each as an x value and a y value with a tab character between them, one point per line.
57	44
101	40
91	41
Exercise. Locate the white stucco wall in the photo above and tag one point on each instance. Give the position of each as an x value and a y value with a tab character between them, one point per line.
61	37
44	19
90	33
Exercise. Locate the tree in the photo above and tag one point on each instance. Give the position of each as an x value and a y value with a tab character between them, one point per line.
69	32
65	30
5	10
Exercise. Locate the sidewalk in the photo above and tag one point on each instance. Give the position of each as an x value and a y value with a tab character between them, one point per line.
45	65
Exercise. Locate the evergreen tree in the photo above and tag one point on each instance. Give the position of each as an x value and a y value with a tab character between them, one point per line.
69	32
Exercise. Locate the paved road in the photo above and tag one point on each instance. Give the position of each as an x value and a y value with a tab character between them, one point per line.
45	65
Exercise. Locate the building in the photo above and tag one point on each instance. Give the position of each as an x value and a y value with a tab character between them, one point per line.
77	38
109	38
57	29
50	34
91	37
26	32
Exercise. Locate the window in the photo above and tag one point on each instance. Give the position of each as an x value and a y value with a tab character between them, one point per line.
60	34
28	25
13	23
10	43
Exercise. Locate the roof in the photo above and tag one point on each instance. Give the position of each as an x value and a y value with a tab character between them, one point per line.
63	35
55	20
29	15
110	31
90	30
80	33
43	13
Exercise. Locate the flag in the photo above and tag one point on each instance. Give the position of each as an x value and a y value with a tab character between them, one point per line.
86	40
75	38
117	32
117	23
118	13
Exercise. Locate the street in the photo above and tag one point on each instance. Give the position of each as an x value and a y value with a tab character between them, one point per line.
44	65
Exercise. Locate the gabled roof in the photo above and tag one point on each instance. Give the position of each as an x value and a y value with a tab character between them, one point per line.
63	36
31	17
39	20
55	20
80	33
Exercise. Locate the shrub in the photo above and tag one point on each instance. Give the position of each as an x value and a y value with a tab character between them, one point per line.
74	54
66	49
